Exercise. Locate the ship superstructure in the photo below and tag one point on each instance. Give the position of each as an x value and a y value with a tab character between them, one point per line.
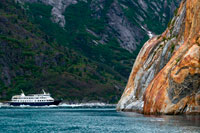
34	99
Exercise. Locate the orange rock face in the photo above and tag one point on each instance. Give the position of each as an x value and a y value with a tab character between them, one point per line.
165	78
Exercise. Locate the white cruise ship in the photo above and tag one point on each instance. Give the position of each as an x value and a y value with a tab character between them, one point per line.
44	99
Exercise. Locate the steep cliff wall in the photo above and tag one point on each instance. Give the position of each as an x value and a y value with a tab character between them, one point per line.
166	75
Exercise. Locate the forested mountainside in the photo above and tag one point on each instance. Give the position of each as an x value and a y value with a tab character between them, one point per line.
165	78
77	50
128	22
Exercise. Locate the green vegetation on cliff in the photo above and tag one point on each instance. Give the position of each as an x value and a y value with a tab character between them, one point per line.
33	60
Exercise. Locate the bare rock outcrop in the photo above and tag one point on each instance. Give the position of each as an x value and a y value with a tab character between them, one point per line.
58	9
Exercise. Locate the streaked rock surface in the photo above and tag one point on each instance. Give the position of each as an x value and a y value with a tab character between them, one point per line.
165	78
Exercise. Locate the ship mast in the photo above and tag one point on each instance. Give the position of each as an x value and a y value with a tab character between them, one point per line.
22	94
44	92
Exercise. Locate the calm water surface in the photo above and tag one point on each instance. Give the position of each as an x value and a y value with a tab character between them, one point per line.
102	120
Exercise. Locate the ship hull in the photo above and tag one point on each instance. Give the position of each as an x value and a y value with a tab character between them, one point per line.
35	103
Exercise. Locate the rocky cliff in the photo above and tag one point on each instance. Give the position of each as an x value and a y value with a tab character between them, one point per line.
165	78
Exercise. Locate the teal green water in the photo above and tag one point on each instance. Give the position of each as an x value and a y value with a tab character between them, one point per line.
94	120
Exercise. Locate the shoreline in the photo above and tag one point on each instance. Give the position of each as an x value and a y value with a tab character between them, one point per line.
74	105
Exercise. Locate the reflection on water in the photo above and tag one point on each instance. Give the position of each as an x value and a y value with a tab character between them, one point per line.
62	119
183	120
190	123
